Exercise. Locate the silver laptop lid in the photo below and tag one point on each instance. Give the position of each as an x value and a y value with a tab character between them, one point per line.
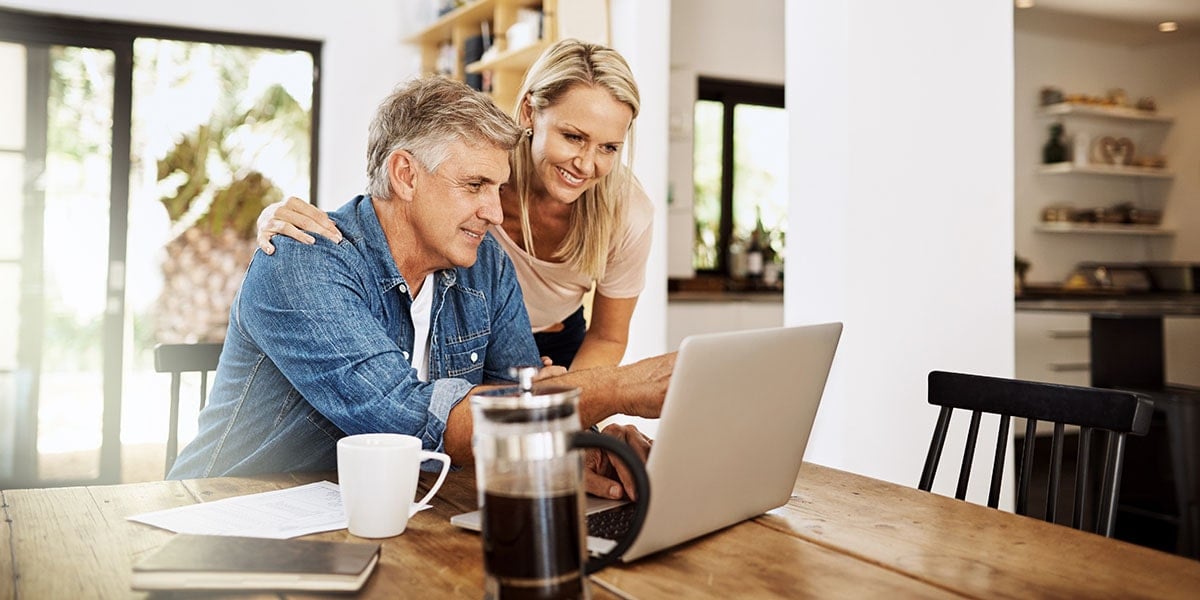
734	426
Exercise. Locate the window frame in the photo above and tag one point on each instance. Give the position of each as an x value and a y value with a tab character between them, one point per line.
730	93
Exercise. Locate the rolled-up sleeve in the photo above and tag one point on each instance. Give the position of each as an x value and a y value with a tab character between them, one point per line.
446	394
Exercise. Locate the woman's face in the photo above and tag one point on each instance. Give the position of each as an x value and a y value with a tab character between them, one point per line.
577	141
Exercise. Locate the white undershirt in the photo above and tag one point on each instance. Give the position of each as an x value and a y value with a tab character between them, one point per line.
422	308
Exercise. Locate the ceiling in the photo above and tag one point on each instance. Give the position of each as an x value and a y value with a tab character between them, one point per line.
1132	22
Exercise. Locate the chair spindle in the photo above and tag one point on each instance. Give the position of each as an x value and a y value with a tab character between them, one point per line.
1082	476
998	463
1026	467
964	475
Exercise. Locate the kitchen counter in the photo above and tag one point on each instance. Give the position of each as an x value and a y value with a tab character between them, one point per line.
724	296
1128	305
1126	338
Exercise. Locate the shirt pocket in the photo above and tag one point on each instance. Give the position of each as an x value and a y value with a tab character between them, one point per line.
464	358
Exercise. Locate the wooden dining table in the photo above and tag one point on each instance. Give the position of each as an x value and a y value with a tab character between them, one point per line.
841	535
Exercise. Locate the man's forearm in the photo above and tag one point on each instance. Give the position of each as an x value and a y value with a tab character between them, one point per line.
637	389
456	439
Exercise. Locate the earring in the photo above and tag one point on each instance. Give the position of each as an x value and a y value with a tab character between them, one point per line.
528	132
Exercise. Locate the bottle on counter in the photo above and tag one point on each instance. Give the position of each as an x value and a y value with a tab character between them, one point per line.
771	266
737	258
756	250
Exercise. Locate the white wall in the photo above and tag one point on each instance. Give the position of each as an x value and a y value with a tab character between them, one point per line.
364	57
704	34
902	159
641	33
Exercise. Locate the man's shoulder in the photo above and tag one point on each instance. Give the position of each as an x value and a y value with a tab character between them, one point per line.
349	216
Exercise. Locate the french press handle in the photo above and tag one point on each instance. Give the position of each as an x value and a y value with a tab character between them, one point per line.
589	439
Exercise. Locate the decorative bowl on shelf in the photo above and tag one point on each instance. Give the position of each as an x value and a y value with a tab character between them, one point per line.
1058	213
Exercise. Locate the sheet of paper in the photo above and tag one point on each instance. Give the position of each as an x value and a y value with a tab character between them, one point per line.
279	514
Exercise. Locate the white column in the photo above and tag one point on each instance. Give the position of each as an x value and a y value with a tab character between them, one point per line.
901	213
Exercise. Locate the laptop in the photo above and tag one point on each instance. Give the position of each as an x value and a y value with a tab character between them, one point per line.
731	437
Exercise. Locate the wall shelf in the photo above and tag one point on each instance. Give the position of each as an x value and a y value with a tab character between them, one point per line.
1103	112
507	67
519	58
1065	168
1104	229
467	15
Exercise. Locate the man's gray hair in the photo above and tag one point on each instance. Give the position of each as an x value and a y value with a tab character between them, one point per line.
425	116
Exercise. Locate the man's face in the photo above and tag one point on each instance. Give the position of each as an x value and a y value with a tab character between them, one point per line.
454	206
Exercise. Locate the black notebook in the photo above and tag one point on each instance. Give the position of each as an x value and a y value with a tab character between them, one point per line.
212	562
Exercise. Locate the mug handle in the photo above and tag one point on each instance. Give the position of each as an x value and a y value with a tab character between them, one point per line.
588	439
445	460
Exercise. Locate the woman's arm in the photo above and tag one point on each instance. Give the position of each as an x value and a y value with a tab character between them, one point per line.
607	334
292	217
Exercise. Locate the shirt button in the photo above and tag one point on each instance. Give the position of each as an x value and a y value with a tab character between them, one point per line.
404	288
474	357
405	354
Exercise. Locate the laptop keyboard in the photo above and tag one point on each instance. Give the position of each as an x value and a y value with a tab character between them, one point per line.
611	524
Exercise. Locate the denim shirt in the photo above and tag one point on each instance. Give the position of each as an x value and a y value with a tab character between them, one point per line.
318	348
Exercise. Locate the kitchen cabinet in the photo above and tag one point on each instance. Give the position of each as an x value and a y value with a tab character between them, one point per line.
444	42
686	318
1053	347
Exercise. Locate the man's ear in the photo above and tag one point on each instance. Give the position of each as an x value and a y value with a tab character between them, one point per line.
402	174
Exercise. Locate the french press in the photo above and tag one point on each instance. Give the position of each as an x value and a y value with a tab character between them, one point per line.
529	475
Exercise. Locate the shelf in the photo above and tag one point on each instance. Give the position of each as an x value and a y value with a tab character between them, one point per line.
1104	112
1064	168
440	30
517	60
1105	229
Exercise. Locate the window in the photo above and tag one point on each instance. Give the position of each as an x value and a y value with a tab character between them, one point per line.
739	172
134	161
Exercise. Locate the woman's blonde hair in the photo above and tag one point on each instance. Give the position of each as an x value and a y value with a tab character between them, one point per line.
562	66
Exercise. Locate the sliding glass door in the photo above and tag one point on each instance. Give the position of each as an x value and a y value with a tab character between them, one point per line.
133	161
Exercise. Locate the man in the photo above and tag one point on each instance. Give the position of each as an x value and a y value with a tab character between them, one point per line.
392	328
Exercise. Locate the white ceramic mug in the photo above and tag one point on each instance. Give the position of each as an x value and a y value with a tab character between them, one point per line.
377	475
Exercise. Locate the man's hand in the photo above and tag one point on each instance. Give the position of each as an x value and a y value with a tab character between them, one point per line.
606	476
293	217
644	385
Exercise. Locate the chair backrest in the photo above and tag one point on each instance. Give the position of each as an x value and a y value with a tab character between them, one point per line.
177	359
1114	413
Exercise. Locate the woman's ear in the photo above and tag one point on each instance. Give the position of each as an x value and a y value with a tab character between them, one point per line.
526	112
402	174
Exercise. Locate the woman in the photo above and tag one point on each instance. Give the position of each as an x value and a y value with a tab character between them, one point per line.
574	215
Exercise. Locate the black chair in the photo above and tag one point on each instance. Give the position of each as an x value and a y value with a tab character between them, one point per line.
1160	500
178	359
1115	413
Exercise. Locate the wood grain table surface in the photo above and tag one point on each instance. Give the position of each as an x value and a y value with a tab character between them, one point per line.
841	535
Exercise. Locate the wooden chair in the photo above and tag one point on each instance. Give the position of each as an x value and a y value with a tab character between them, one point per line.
178	359
1113	412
